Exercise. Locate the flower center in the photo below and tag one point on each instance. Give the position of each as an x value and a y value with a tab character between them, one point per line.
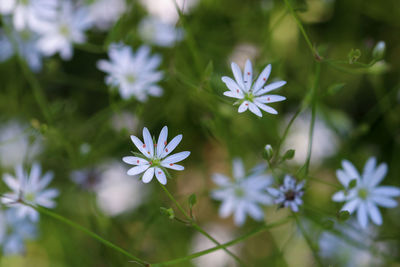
24	2
155	162
363	193
239	192
30	197
249	96
290	195
130	78
64	30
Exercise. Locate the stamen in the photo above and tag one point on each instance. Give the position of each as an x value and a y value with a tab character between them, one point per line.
138	161
151	163
166	150
268	99
165	143
159	172
237	90
144	145
248	73
264	79
171	164
246	104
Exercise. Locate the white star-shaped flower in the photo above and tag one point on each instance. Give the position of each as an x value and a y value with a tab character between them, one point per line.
134	74
366	195
68	29
154	160
289	194
244	195
252	96
30	189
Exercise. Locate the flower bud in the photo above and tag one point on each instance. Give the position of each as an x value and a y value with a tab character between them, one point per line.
268	152
379	50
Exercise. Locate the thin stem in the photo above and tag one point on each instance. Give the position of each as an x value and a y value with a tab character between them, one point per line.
300	25
88	232
225	245
197	227
313	115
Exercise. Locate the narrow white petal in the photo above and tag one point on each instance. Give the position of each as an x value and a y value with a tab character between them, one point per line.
45	181
148	175
362	215
339	196
160	175
162	140
255	211
293	206
387	191
378	175
142	147
237	73
270	98
240	214
148	142
171	146
227	207
173	166
231	84
351	205
273	191
234	94
266	108
11	182
238	169
138	169
270	87
262	78
221	180
343	178
135	160
35	173
176	157
369	169
384	201
350	170
248	75
243	107
374	213
253	108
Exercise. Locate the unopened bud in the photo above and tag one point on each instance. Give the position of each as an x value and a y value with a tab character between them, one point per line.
268	152
379	50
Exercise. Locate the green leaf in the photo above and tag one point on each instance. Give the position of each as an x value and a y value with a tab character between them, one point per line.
328	224
289	154
335	88
354	55
209	70
343	215
352	184
192	200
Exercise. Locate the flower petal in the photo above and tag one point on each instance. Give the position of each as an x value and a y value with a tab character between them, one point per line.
243	107
374	213
270	87
234	94
262	78
265	108
351	205
369	169
270	98
362	215
173	166
343	178
339	196
221	180
238	169
171	146
137	169
231	84
11	182
148	142
237	73
140	146
134	160
253	108
160	175
162	140
378	175
387	191
350	170
227	207
148	175
248	75
176	157
240	214
384	201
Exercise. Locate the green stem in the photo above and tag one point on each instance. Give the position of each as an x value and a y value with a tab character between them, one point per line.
88	232
313	115
197	227
303	32
225	245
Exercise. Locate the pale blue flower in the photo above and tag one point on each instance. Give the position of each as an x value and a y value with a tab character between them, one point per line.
289	194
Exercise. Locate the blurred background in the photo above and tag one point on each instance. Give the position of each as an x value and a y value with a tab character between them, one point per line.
64	116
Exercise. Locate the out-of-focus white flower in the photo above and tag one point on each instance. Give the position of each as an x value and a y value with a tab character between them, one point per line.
244	195
124	121
17	144
243	52
155	31
29	14
218	258
334	249
30	189
116	192
104	13
289	194
366	195
26	48
252	97
153	159
166	9
325	141
69	28
14	231
134	74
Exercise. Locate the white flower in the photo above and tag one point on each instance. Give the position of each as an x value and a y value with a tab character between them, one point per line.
30	189
104	13
251	96
14	231
29	14
26	48
154	159
134	74
155	31
289	194
366	195
243	195
68	29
